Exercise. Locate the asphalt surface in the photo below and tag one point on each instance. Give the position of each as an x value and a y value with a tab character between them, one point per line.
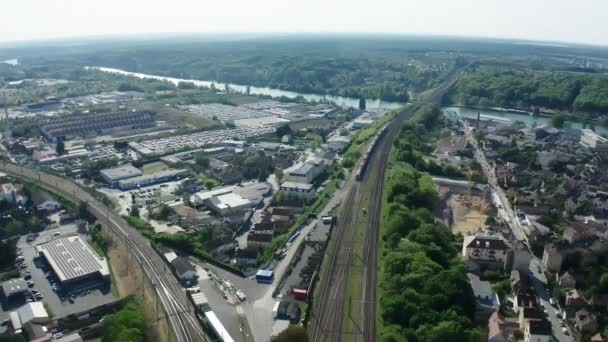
178	309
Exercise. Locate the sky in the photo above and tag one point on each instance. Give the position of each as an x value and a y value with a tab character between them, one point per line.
579	21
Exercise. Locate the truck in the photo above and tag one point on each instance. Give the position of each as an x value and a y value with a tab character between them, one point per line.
264	276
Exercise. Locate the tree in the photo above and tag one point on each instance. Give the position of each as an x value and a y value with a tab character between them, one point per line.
295	333
558	120
60	146
362	103
202	161
127	325
134	211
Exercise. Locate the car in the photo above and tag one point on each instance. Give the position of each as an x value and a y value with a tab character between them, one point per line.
35	292
48	274
27	276
56	233
39	296
29	300
22	266
5	322
565	331
558	315
552	301
72	299
29	283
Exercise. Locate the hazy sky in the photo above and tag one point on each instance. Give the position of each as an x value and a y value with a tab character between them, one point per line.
582	21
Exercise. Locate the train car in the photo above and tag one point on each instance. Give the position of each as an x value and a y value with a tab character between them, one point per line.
217	327
370	150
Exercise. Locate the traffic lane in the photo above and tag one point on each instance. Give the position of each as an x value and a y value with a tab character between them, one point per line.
543	297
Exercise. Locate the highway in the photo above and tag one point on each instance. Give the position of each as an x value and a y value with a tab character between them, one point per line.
330	302
178	309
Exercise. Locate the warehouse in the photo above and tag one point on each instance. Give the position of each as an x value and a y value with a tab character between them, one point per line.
113	175
150	179
72	259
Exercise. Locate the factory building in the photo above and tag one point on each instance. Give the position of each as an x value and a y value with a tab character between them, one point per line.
151	179
85	125
73	260
114	175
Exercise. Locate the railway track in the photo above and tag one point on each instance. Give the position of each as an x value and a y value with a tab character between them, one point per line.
327	321
180	314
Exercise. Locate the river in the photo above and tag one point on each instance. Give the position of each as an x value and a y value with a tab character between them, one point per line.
339	100
529	120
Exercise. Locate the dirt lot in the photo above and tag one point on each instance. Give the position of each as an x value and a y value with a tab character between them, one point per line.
467	218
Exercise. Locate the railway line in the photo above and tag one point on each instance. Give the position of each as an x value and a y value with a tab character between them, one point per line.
330	303
179	312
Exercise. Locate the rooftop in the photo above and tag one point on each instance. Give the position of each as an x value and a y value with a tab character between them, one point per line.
152	176
13	286
295	185
229	200
303	170
121	172
72	257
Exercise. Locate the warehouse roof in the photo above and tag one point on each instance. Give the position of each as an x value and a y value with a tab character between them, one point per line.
229	200
121	172
71	257
302	170
152	176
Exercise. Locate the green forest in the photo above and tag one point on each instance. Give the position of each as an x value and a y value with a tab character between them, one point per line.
127	325
529	89
425	294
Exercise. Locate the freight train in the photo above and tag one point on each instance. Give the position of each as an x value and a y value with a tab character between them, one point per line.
369	152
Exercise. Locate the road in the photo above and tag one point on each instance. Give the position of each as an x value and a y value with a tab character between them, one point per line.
179	311
330	302
506	212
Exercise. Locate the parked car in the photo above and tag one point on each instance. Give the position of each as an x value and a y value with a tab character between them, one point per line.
39	296
29	283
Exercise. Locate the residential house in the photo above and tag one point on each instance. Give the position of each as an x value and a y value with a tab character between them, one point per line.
574	302
498	329
307	172
527	314
585	322
486	301
486	250
45	202
184	270
520	256
298	191
552	258
257	240
524	298
537	331
566	280
519	281
246	257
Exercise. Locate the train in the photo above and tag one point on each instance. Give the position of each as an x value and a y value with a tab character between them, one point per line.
370	150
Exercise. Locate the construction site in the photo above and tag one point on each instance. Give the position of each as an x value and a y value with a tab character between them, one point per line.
463	208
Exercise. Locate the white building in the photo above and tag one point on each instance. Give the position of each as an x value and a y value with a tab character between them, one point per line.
537	331
486	250
223	201
591	139
303	191
308	171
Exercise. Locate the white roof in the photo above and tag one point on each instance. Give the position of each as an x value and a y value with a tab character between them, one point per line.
199	298
72	257
218	327
204	195
296	185
32	311
230	200
170	256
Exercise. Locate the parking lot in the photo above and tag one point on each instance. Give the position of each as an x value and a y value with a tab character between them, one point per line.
85	295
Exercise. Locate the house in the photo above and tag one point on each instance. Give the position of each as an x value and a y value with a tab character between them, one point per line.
338	143
520	256
496	329
574	302
486	301
552	258
45	202
246	257
184	270
298	191
486	250
525	298
566	280
519	281
223	171
585	322
12	194
527	314
257	240
537	331
307	172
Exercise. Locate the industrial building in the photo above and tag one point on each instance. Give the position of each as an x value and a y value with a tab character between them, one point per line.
150	179
30	313
307	172
73	259
232	199
300	191
13	287
84	125
114	175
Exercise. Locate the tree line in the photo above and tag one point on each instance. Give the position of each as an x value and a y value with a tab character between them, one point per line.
424	291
